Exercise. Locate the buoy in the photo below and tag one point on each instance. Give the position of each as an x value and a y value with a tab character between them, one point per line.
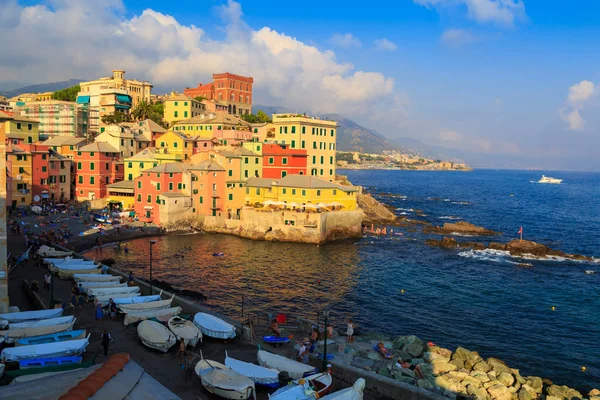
583	369
553	308
402	291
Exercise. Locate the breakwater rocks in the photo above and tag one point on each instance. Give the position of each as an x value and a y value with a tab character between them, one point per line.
461	228
374	212
453	373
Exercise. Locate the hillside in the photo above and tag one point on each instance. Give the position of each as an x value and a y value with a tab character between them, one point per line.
354	137
42	87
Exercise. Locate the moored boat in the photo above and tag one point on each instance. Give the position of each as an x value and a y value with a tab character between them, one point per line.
295	369
223	381
212	326
156	336
548	179
51	338
275	339
309	388
69	348
138	316
354	392
96	278
145	306
23	316
131	290
42	322
64	325
50	361
84	286
45	251
186	330
260	375
127	299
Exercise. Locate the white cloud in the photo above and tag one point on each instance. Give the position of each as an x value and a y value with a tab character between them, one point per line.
346	40
450	136
87	39
579	95
384	44
576	122
457	37
580	92
504	12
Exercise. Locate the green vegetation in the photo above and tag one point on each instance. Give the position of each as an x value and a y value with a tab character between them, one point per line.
146	110
260	116
68	94
115	118
199	98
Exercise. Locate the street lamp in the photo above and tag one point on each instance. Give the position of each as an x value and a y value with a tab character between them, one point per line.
152	242
325	315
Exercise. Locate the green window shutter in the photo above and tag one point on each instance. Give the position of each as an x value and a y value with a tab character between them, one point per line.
176	103
331	160
79	165
245	160
271	160
91	180
230	172
80	179
293	144
303	192
158	186
92	166
179	186
293	129
294	192
174	144
130	177
256	160
283	191
149	199
139	184
91	154
284	160
314	145
230	196
314	159
129	165
175	114
201	200
303	130
157	199
318	192
170	185
185	114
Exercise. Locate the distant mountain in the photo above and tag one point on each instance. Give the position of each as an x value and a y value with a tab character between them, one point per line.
42	87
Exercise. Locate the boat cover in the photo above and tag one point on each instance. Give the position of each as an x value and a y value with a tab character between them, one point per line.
295	392
134	299
109	291
68	273
145	306
70	348
295	369
50	260
182	328
258	374
32	315
138	316
75	266
219	376
89	285
213	326
37	331
46	251
352	393
96	278
43	322
155	333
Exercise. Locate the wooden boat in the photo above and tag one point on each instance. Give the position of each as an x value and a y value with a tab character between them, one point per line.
295	369
276	339
186	330
146	306
42	322
136	299
32	315
355	392
65	261
13	334
45	251
84	286
156	336
69	348
309	388
223	381
110	291
212	326
50	361
138	316
54	368
96	278
51	338
68	273
260	375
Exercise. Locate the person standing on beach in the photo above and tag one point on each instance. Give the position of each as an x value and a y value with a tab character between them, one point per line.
130	280
47	279
113	310
350	331
98	310
106	339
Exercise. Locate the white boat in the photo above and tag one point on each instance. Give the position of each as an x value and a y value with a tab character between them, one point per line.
84	286
295	369
68	348
96	278
258	374
186	330
138	316
68	273
65	261
213	326
146	306
309	388
42	322
32	315
547	179
355	392
110	291
155	336
223	381
24	332
45	251
136	299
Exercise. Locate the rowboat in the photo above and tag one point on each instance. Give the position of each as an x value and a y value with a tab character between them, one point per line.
260	375
155	336
64	261
32	315
13	334
50	361
96	278
51	338
224	382
355	392
45	251
276	339
309	388
295	369
69	348
147	306
110	291
51	369
135	299
42	322
186	330
212	326
68	273
138	316
84	286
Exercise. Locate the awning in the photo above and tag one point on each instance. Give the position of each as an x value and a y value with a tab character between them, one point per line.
83	99
124	98
45	196
123	107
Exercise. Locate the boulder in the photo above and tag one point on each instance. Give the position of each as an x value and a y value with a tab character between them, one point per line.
481	366
414	346
408	372
499	392
506	379
493	375
471	380
460	364
399	342
553	398
497	246
535	382
406	379
594	393
480	376
384	372
477	392
459	376
498	365
527	393
424	384
563	392
519	247
594	398
360	362
431	356
441	351
443	367
374	356
470	358
446	382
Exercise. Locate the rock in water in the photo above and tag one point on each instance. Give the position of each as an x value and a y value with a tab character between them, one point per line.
527	393
470	358
443	367
414	346
481	366
535	382
594	393
499	392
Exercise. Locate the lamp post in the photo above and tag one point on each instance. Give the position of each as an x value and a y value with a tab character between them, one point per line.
325	315
152	242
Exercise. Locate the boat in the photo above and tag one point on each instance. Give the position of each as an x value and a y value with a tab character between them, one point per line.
547	179
69	348
355	392
23	316
295	369
136	299
275	339
137	316
223	381
96	278
214	327
110	291
184	329
84	286
51	338
65	325
51	369
45	251
260	375
309	388
156	336
65	261
146	306
42	322
590	271
68	273
50	361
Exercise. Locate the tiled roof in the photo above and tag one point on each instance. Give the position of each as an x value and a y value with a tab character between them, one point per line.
260	182
311	182
172	167
218	117
63	141
101	147
179	97
148	153
122	185
206	165
174	194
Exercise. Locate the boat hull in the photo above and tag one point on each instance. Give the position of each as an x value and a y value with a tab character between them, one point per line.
52	338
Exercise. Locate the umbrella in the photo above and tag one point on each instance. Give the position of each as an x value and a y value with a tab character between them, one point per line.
310	205
292	204
36	209
321	205
269	203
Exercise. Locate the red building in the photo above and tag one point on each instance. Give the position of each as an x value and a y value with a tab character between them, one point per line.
97	165
233	90
51	174
280	160
154	182
208	188
202	144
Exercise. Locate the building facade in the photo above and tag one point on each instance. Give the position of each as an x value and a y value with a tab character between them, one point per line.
280	160
97	165
233	90
126	140
58	118
137	90
21	130
180	107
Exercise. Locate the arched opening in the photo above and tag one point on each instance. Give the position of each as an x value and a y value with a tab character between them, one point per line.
234	109
229	109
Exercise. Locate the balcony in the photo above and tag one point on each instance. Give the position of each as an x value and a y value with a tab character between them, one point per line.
215	195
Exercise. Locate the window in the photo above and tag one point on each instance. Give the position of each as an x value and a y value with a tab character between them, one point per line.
303	192
293	129
139	198
185	103
174	144
43	156
247	190
293	192
78	153
257	190
245	173
314	159
130	177
107	166
149	198
303	130
201	199
157	199
162	144
256	160
21	170
158	186
318	192
331	160
179	186
122	142
141	165
107	181
283	191
91	154
334	192
18	126
170	175
185	114
322	160
44	169
245	160
284	160
80	179
176	103
175	114
139	184
283	174
129	165
170	185
314	145
92	166
230	173
91	180
230	196
332	133
271	160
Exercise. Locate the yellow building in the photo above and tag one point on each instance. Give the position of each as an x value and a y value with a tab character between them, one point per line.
22	130
121	194
120	136
19	166
307	193
138	90
175	146
209	125
145	159
316	136
181	107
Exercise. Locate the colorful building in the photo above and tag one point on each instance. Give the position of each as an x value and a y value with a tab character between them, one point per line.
126	140
122	195
180	107
58	118
147	128
208	188
65	145
137	90
155	183
233	90
280	160
19	167
175	146
97	165
5	202
211	125
51	174
21	130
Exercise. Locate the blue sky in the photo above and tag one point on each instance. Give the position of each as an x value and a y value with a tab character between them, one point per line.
506	83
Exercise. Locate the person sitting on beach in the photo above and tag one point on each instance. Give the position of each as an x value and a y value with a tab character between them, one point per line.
314	338
383	351
274	327
405	364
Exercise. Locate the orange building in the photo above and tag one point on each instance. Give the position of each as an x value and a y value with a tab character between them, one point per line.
235	91
155	183
97	165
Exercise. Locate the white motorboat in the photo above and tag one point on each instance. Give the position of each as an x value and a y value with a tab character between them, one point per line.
155	336
186	330
138	316
223	381
110	291
214	327
309	388
259	375
84	286
59	349
355	392
64	325
295	369
547	179
96	278
126	299
45	251
146	306
23	316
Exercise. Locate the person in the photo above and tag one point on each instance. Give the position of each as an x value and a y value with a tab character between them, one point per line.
181	349
350	331
74	296
99	312
47	279
303	353
383	351
104	269
314	338
126	249
329	331
189	366
80	297
130	283
106	339
275	328
405	364
113	310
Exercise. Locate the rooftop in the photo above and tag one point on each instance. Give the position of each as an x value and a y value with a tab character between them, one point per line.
147	154
179	97
174	167
218	117
261	182
298	181
174	195
122	185
206	165
101	147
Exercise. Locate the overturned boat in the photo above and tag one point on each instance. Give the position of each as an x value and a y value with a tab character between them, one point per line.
23	316
145	306
260	375
84	286
186	330
111	291
156	336
45	251
80	278
295	369
214	327
137	316
127	299
39	328
355	392
309	388
223	381
51	338
69	348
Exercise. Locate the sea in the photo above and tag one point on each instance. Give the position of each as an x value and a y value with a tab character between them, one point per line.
539	316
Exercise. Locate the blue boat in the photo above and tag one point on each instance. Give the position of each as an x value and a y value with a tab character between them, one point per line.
276	339
50	361
51	338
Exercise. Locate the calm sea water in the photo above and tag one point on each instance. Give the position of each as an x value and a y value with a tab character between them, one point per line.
482	300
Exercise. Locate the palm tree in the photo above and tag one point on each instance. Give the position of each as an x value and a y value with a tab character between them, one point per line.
144	110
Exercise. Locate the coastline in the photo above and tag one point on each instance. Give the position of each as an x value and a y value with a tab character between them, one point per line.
404	169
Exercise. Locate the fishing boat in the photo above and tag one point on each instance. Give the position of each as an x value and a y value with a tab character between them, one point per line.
96	278
110	291
65	324
135	299
51	369
45	251
186	330
260	375
146	306
51	338
23	316
155	336
214	327
355	392
275	339
295	369
42	322
101	285
137	316
69	348
309	388
68	273
223	381
65	260
50	361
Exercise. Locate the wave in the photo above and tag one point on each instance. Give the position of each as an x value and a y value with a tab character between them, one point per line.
448	217
405	209
503	256
403	213
461	234
460	202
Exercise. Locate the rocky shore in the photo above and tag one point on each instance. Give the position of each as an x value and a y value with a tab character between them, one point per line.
460	228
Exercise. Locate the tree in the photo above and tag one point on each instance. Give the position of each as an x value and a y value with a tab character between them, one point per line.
67	94
115	118
199	98
260	116
146	110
